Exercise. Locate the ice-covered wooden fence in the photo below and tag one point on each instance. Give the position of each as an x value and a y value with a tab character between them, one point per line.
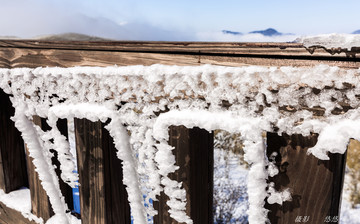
184	103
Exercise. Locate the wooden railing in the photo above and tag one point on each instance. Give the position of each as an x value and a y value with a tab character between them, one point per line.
102	193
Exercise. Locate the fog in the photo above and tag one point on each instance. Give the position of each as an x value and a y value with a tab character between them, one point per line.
25	19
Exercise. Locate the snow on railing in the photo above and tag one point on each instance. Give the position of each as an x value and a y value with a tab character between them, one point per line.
333	43
146	100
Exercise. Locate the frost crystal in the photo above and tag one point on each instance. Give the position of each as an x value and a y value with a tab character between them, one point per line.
146	100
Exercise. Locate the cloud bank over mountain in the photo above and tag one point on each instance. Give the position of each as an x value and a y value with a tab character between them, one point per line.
35	19
25	19
267	35
101	27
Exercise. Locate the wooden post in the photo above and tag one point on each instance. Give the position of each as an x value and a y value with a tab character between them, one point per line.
315	184
103	198
12	154
194	155
40	204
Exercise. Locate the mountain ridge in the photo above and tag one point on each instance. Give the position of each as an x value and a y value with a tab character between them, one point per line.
70	37
269	32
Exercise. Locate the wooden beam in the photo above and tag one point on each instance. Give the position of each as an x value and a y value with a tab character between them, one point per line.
151	46
316	185
11	216
116	197
40	204
13	173
39	200
215	48
103	198
91	171
33	54
194	156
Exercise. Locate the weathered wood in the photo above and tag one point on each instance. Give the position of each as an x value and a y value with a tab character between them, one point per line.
66	54
194	156
116	197
11	216
91	171
103	198
40	204
316	185
39	200
225	48
13	173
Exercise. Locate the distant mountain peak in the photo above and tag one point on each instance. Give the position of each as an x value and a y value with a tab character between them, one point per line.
356	32
231	32
70	37
268	32
9	38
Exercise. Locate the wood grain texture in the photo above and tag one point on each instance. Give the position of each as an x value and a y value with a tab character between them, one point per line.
40	204
116	197
13	174
194	156
316	185
103	197
11	216
32	54
91	171
226	48
39	200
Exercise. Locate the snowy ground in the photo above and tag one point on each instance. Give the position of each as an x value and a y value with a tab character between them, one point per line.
230	188
348	214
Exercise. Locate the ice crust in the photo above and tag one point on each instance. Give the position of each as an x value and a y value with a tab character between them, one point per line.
20	200
333	43
334	40
146	100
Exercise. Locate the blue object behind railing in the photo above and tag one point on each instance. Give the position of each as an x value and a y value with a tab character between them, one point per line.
76	198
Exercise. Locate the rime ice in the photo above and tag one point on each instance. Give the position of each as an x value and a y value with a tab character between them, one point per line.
247	100
345	41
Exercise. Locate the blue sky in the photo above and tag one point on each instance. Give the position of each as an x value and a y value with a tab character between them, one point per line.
175	20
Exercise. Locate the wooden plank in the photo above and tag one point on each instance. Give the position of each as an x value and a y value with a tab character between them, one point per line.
194	155
226	48
91	171
202	165
40	204
103	198
34	54
316	185
139	45
11	216
156	46
116	197
13	173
